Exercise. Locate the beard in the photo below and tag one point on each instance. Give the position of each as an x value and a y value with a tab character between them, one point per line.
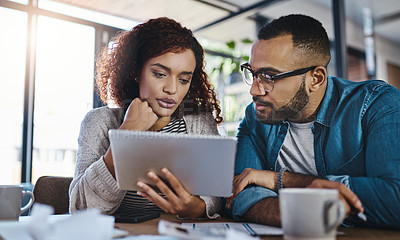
290	111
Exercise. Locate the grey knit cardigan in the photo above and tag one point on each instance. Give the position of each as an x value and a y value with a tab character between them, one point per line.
93	185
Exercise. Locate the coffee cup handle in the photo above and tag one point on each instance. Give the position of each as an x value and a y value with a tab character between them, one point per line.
29	204
341	212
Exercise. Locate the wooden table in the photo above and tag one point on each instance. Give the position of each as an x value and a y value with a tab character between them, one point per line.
150	228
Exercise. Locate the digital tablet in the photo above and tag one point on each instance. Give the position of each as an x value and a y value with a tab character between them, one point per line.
204	164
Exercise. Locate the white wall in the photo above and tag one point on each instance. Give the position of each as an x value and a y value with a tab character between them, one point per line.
386	51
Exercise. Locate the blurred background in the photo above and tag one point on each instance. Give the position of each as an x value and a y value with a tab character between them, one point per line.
47	52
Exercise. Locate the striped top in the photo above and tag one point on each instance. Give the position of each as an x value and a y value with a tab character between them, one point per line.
134	204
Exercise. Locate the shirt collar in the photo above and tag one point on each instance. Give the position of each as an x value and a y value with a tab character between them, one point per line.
327	108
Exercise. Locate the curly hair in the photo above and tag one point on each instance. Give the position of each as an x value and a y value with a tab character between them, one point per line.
118	68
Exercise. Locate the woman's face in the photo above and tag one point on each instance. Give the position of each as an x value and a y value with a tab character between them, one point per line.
165	81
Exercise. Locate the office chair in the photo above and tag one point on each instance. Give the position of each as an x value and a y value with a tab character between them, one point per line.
53	191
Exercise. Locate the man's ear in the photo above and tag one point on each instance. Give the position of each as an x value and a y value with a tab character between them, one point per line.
319	75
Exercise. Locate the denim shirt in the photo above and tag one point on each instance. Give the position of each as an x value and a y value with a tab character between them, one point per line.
356	142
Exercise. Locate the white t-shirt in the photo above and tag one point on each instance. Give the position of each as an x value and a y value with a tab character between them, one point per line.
297	152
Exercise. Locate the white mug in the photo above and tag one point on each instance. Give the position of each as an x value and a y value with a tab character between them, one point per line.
310	213
10	201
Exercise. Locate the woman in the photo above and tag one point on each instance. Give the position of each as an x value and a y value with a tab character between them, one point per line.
155	74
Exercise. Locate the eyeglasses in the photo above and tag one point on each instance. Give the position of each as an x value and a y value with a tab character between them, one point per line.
265	79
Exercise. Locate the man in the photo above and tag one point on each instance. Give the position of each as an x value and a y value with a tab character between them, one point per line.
307	129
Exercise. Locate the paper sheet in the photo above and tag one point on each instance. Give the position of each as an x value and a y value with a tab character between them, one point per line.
84	225
148	237
250	228
205	233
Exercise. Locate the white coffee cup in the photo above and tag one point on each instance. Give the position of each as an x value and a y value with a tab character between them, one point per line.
310	213
10	201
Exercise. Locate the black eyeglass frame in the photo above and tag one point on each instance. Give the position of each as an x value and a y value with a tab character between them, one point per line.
272	78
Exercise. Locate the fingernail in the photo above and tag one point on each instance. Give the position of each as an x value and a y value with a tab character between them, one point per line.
139	193
164	170
140	184
151	174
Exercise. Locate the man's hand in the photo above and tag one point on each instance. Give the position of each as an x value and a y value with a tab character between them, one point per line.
139	116
177	200
264	178
349	199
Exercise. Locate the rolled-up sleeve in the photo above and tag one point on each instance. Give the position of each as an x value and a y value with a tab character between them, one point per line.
247	198
248	156
344	179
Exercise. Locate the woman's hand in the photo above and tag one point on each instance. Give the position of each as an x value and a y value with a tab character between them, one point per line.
177	200
262	178
350	200
139	116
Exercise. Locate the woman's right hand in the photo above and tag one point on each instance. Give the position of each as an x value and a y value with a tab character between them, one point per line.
139	116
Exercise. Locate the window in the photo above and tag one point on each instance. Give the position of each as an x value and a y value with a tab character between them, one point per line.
63	94
12	72
20	1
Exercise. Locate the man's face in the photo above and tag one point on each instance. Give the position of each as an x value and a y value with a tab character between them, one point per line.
290	95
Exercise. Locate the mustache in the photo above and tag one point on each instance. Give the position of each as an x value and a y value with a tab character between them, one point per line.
258	101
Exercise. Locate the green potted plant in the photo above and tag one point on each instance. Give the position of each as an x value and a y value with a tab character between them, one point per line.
230	66
235	75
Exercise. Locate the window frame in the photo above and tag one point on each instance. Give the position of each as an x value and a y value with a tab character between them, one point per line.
103	34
